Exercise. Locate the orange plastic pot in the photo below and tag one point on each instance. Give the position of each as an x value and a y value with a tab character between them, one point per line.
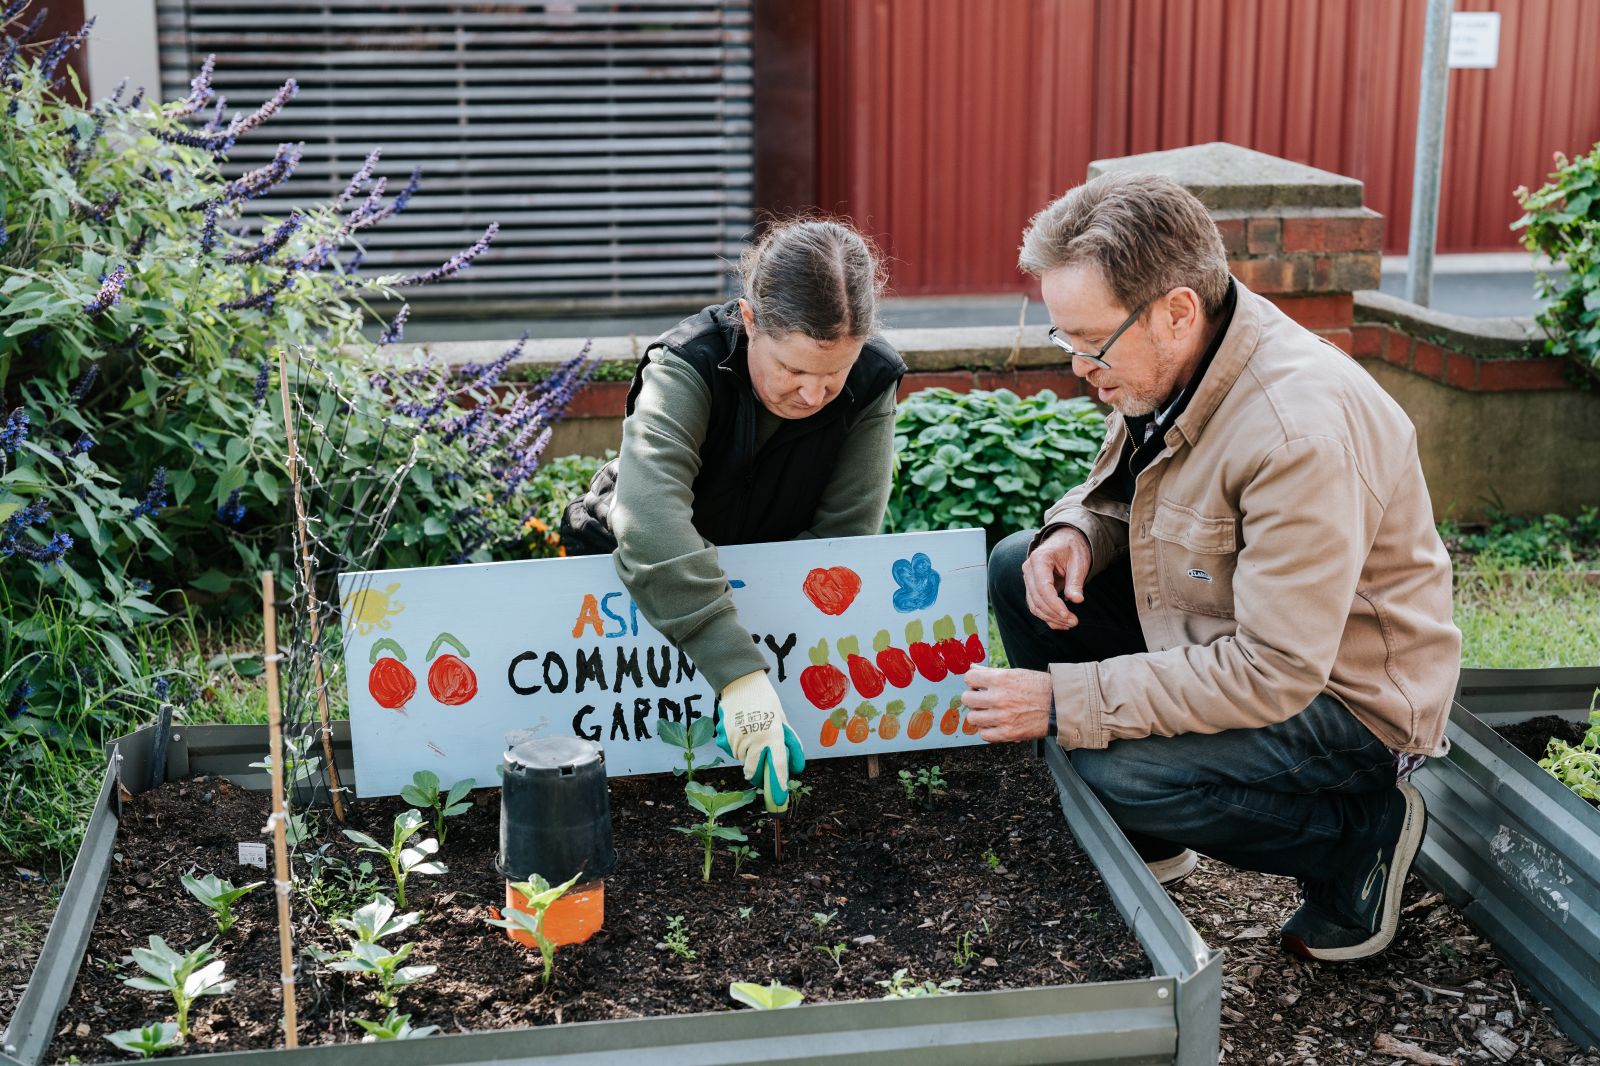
572	919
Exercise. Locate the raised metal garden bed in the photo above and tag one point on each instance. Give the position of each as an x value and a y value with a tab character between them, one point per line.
1172	1017
1514	848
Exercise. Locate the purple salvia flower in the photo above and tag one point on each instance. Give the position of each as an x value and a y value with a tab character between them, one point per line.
261	385
273	105
33	27
215	143
397	327
355	263
214	123
8	61
360	178
137	247
264	179
59	545
231	513
61	48
102	211
200	91
86	380
526	466
269	245
81	446
262	299
5	234
455	264
110	292
367	206
14	430
462	425
367	217
116	95
155	498
12	10
317	256
208	232
135	100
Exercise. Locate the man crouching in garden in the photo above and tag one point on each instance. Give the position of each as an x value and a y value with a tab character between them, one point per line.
1245	611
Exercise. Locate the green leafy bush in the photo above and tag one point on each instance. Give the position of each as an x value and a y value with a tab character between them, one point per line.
988	459
1561	220
1528	541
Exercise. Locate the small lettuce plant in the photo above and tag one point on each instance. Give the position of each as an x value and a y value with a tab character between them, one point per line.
403	860
395	1026
147	1042
424	792
764	997
902	987
1578	765
218	894
185	977
537	895
712	803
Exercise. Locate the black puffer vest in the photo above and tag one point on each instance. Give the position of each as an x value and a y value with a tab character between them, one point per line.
743	495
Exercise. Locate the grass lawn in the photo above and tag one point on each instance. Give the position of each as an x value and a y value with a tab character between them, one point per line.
1527	618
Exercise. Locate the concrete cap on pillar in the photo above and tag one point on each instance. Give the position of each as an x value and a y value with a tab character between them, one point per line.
1227	177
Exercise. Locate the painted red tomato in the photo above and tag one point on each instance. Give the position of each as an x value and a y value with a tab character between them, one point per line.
391	683
452	681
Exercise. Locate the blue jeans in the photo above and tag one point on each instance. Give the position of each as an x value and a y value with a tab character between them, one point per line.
1301	798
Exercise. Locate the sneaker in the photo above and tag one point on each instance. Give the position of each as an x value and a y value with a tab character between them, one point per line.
1355	915
1175	868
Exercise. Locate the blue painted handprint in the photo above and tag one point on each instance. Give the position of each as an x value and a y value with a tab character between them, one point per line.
917	584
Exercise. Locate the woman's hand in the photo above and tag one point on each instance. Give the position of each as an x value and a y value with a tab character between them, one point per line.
753	730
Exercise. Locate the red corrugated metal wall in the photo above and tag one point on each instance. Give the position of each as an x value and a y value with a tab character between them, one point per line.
944	124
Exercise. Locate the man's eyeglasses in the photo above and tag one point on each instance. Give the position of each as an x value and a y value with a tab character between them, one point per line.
1059	339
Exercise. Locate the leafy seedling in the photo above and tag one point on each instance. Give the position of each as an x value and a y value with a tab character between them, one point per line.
713	804
300	766
153	1039
376	920
991	860
742	853
922	786
821	920
423	792
677	939
184	977
403	861
902	987
537	895
395	1026
373	960
834	952
219	895
764	997
1578	765
688	739
965	952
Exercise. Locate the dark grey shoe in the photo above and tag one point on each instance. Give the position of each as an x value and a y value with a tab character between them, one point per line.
1356	914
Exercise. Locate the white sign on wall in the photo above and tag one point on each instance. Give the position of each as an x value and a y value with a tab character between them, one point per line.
867	638
1474	39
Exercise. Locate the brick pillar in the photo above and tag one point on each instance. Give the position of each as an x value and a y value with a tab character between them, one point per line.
1295	234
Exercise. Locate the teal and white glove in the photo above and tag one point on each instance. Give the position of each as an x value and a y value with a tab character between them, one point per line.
751	728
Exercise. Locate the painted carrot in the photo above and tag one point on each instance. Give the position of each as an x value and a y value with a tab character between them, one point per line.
975	649
823	683
860	725
830	728
952	651
951	719
922	721
967	726
929	663
896	665
889	724
867	678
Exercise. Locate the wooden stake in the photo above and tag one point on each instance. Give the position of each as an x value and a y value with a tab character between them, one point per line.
307	581
279	820
872	767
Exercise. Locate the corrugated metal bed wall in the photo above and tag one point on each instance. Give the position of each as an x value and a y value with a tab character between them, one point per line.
612	141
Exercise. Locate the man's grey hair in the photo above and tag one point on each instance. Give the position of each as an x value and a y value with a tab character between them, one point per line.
1146	233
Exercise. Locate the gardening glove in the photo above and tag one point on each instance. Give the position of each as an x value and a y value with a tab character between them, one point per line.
751	728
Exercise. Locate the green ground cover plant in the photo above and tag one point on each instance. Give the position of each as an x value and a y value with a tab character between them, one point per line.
1561	220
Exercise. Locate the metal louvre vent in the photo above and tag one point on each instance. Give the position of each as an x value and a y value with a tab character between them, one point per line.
611	141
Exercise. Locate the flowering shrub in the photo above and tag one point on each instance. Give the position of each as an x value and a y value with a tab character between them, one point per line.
141	437
1562	221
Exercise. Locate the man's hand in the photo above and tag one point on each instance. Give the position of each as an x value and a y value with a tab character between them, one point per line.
1008	704
753	730
1057	567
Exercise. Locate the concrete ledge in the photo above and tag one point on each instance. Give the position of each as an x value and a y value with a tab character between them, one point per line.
1494	338
1227	177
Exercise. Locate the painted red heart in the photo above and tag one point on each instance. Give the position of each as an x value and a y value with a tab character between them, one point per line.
832	590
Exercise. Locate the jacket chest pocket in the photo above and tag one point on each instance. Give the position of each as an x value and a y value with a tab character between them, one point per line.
1196	555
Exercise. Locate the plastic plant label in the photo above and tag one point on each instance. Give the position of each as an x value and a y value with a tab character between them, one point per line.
252	853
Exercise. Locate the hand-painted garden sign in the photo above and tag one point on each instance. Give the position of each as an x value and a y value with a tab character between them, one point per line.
867	638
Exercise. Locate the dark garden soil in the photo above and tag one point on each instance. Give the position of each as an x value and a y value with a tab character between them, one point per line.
26	904
1531	737
992	863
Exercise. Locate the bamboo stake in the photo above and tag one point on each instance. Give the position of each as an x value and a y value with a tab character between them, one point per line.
279	820
307	581
872	767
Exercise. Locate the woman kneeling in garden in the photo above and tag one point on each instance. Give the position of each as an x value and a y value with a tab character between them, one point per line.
766	418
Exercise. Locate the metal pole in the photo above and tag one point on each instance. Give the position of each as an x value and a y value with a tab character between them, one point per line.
1430	152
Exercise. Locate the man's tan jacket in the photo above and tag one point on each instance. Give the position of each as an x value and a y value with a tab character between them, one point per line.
1282	545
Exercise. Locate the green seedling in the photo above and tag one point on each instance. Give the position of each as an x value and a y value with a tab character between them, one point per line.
300	766
798	790
298	829
219	895
423	792
834	952
184	977
742	853
537	896
902	987
677	939
821	920
153	1039
965	952
688	739
395	1026
921	787
712	804
376	920
403	861
764	997
991	860
334	888
379	962
745	913
1578	765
